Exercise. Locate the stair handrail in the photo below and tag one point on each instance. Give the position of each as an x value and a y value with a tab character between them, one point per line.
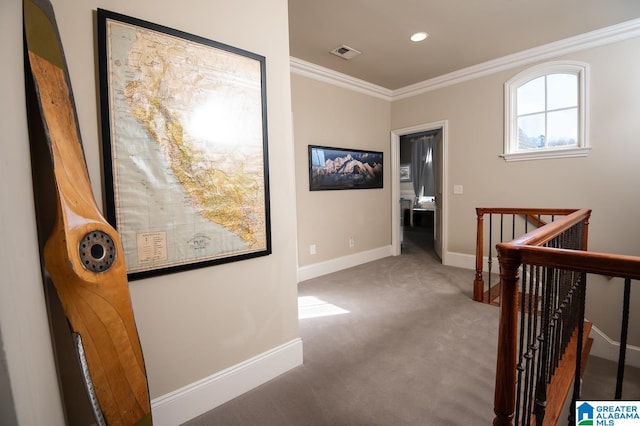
527	249
531	215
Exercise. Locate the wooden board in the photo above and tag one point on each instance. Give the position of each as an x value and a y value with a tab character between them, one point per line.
83	254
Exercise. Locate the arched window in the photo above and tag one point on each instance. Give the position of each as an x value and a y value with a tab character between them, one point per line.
546	112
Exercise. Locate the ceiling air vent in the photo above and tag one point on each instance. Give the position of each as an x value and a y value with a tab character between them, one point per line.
345	52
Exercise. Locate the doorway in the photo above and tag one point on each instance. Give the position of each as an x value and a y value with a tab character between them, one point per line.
418	170
440	197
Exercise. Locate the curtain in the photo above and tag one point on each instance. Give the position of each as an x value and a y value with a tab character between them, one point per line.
422	166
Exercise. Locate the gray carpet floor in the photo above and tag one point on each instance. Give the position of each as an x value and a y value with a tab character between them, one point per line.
413	349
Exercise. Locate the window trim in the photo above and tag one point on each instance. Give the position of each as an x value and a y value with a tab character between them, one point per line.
582	149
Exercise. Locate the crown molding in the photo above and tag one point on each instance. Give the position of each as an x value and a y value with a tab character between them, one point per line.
307	69
601	37
612	34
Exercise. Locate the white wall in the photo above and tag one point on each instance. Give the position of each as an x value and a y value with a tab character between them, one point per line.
191	324
328	115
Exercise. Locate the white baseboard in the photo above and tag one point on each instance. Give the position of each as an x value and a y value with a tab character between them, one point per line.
604	347
461	260
199	397
340	263
468	261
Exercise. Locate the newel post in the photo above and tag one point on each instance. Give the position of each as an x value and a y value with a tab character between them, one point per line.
478	282
585	232
505	389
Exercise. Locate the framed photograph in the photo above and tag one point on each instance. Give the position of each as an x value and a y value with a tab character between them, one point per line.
184	136
339	168
405	172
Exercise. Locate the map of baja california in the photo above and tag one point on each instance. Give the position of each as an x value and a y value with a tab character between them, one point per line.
187	143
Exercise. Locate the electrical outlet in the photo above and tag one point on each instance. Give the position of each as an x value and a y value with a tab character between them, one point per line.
457	189
312	249
352	242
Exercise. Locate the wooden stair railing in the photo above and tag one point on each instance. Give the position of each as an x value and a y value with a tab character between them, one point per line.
535	216
549	265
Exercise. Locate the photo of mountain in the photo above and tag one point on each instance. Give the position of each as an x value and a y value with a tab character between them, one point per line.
337	168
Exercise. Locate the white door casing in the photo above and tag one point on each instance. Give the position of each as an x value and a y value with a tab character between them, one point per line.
440	214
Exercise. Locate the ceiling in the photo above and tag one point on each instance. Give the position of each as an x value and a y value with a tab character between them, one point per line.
462	33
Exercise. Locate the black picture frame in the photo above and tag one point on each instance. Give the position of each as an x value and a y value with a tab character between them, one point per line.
185	150
333	168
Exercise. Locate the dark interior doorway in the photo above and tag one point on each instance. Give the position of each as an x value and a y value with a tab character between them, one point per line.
418	212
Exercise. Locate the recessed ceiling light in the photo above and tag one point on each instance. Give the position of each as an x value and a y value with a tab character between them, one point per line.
419	36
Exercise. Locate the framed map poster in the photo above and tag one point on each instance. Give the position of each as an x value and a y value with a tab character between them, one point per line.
184	136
